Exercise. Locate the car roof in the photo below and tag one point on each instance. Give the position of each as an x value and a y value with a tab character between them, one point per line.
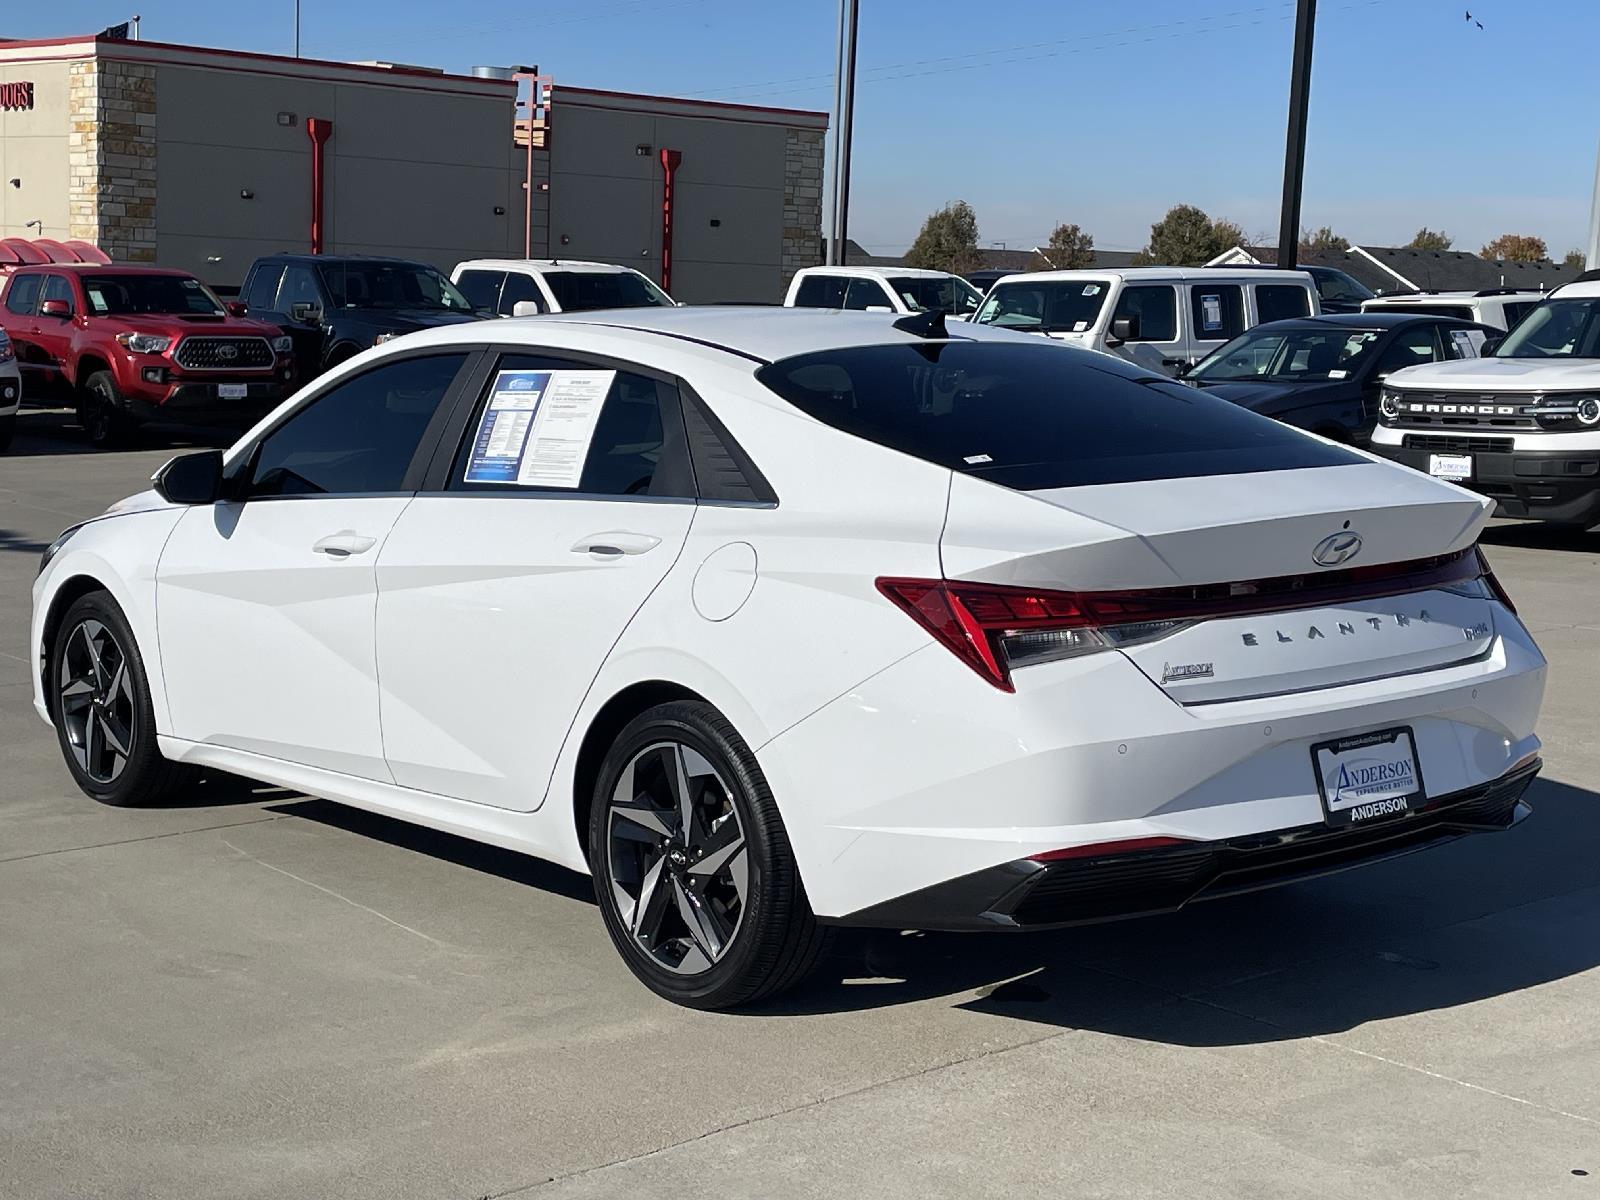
1366	320
101	269
1143	274
539	266
288	256
763	332
877	272
1585	289
1456	296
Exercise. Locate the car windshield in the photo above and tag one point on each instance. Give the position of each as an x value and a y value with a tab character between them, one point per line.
584	291
1049	306
1335	285
149	294
1556	329
390	285
950	294
1037	416
1285	355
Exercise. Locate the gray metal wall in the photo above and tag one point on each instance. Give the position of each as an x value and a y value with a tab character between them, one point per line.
412	173
605	198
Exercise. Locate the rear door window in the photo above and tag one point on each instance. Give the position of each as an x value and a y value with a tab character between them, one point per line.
1410	347
1038	416
1281	301
820	291
1217	311
22	296
863	294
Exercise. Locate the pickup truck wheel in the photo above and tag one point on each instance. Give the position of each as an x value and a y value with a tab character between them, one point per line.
99	412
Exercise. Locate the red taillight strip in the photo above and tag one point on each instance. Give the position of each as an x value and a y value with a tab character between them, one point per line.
1106	849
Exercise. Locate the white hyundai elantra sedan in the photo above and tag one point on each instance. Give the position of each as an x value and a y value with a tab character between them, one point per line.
777	620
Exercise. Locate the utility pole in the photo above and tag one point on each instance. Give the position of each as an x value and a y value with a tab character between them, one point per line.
1294	153
844	99
297	28
1592	259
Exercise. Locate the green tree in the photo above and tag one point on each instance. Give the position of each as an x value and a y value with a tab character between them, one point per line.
1576	259
1322	241
1516	247
1187	237
1069	247
1429	239
948	241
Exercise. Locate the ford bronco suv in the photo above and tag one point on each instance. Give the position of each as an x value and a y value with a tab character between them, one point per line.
1522	425
128	346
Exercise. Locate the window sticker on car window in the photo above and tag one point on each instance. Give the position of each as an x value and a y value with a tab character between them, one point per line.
536	429
1091	289
1338	373
1211	312
1079	326
1468	341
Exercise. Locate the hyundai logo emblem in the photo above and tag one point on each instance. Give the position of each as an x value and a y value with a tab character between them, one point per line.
1336	549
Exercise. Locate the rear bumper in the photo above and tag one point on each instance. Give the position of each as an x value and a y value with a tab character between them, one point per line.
1560	486
1025	894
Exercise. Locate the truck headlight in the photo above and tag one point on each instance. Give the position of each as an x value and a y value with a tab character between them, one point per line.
283	344
1589	410
144	343
1389	406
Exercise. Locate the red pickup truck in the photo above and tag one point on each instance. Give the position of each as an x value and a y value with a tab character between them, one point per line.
134	345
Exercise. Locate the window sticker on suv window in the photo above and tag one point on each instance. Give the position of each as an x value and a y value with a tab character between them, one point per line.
536	429
1467	342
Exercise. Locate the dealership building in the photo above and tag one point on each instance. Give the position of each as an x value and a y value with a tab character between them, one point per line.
203	159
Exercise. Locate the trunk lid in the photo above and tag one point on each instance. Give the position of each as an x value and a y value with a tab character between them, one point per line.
1238	530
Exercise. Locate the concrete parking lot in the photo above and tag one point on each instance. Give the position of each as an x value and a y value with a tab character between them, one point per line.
255	994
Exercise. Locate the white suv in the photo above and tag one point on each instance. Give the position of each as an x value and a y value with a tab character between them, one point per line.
883	289
524	287
1500	307
1521	426
1166	319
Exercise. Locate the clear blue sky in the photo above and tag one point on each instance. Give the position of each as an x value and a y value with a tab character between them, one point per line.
1037	111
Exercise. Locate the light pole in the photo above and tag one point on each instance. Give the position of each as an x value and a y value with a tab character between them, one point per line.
844	98
1294	153
297	28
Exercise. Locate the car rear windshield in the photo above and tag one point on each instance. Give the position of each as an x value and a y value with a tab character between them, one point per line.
584	291
390	285
922	294
1068	306
107	294
1037	416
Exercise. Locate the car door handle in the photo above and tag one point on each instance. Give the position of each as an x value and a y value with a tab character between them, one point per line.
615	542
343	544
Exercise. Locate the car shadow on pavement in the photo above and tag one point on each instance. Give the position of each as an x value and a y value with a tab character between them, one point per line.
19	543
1484	916
49	432
1537	535
477	856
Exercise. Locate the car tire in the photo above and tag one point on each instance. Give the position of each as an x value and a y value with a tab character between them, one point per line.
99	698
729	868
99	412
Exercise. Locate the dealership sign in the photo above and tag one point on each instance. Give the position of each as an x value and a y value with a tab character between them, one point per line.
16	95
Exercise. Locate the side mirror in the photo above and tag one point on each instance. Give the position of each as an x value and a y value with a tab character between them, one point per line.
55	308
305	312
1490	345
191	478
1123	329
524	308
236	308
1183	370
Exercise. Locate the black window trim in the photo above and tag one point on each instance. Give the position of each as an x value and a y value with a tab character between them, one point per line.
238	470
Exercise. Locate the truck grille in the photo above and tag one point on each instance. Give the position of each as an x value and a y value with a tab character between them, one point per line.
1433	410
224	353
1456	445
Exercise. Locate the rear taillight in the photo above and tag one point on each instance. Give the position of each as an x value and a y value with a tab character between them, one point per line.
1108	849
996	627
993	628
1494	583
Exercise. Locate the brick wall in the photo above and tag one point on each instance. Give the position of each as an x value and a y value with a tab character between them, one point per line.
111	158
802	201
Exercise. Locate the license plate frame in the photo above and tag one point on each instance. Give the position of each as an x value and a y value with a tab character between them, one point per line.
1452	468
232	391
1351	799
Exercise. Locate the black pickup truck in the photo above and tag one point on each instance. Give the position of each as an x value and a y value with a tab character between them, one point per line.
335	306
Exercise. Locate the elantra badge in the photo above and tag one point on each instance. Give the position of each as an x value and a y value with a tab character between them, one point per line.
1336	549
1170	672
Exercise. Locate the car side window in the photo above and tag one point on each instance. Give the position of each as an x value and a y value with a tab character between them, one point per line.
865	293
635	443
820	291
263	288
1515	310
1419	344
519	287
481	288
1218	311
1281	301
22	297
299	286
58	287
1156	306
357	437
